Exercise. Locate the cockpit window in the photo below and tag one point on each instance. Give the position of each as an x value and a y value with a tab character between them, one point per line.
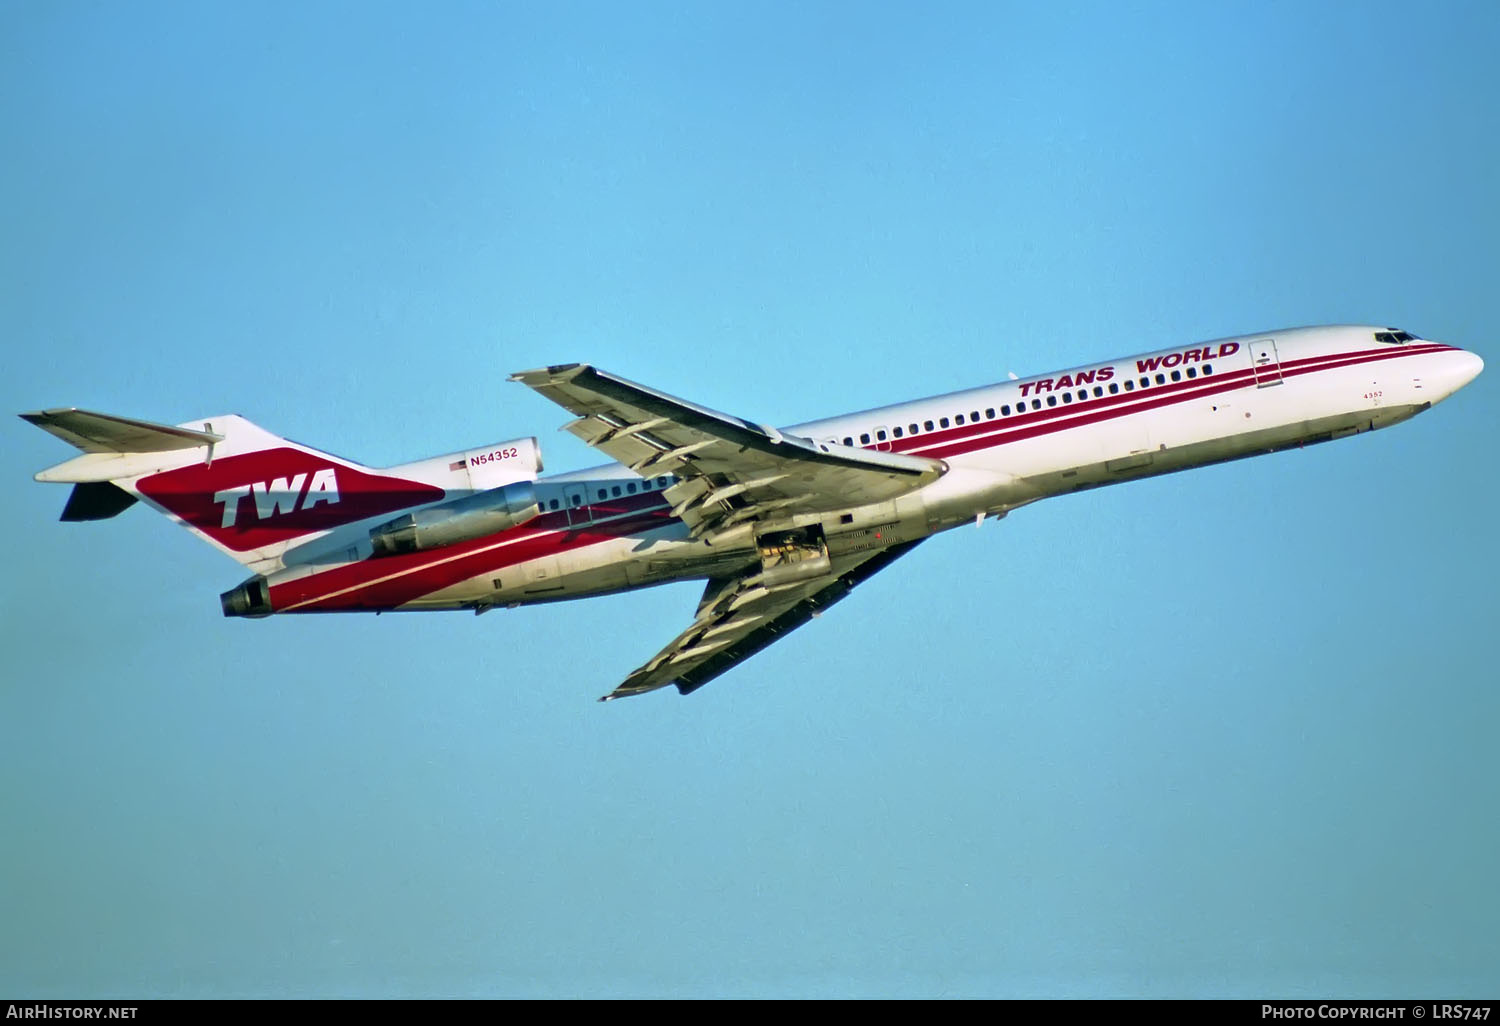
1394	336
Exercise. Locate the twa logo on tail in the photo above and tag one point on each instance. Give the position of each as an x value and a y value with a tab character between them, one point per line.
280	495
270	497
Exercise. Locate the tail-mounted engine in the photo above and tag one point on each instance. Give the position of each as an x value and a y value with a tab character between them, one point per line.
449	523
493	465
251	599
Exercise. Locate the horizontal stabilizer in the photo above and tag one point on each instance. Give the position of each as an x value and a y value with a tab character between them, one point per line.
97	500
102	432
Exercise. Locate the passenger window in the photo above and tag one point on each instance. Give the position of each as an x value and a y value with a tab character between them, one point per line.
1177	375
1161	379
1129	385
974	417
1098	391
1208	368
926	425
1036	404
880	435
1083	394
1052	400
896	431
552	504
1192	372
1005	410
661	482
1114	388
1145	382
989	414
912	429
615	491
603	494
630	488
959	419
848	441
577	500
1067	397
864	439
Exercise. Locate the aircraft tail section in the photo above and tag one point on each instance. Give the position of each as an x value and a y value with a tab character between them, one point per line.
247	492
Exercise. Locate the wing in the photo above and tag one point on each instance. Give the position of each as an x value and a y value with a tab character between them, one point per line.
733	472
739	616
730	470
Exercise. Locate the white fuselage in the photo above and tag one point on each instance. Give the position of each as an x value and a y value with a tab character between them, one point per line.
1005	445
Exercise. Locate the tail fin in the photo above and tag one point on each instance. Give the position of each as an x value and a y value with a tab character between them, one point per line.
251	494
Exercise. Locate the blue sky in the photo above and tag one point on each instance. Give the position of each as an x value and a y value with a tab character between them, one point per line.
1225	733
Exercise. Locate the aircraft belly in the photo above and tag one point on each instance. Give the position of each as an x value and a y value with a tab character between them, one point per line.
973	485
543	579
1220	449
1217	427
615	565
1280	411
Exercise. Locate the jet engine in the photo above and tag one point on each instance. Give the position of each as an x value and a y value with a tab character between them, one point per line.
449	523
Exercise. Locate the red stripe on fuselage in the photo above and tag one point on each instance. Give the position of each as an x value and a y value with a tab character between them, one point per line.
390	581
1051	419
394	580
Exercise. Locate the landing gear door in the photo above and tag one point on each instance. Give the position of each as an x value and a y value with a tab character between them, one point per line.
1265	361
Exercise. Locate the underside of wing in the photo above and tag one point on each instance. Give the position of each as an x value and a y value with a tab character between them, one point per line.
730	470
739	616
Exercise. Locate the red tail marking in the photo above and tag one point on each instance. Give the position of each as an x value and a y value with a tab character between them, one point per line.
261	498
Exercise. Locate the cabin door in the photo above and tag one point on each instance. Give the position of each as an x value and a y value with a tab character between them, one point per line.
1266	362
575	497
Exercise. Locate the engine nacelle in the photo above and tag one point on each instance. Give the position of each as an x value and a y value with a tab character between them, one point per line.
502	463
478	469
253	599
473	516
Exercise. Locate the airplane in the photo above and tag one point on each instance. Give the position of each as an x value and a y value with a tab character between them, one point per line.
779	523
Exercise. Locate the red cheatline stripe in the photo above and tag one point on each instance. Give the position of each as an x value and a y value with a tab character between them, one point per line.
1164	397
392	581
1017	427
1136	397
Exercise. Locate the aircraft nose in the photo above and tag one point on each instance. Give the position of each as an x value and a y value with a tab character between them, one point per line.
1455	369
1468	368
